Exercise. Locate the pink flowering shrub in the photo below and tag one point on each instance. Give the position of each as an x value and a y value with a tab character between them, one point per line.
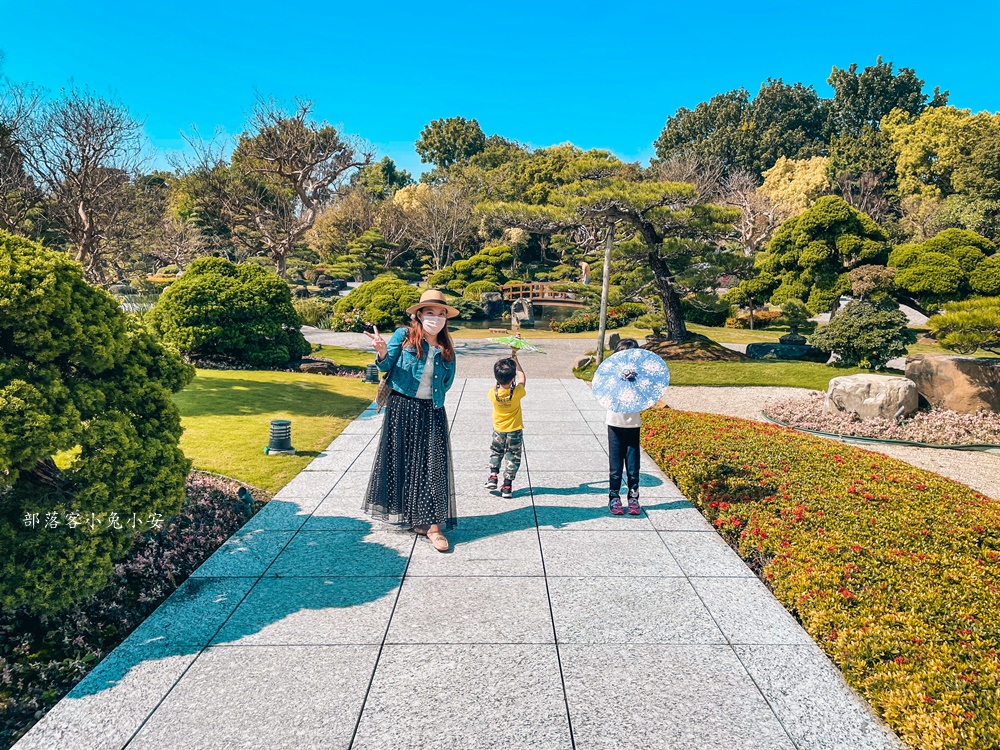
935	427
43	657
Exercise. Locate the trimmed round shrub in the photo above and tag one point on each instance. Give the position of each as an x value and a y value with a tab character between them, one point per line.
88	430
380	302
241	313
985	279
476	289
933	277
866	333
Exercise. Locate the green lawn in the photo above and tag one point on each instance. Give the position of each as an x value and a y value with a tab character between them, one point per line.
226	416
346	357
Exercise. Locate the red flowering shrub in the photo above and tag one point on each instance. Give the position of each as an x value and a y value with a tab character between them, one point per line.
893	570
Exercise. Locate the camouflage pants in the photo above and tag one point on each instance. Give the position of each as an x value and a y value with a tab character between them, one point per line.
506	444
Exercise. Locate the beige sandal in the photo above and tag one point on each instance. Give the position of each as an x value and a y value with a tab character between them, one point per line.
439	540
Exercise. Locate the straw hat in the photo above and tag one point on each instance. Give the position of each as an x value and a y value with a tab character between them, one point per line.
432	297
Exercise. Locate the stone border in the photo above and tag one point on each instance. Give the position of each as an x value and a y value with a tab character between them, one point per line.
981	447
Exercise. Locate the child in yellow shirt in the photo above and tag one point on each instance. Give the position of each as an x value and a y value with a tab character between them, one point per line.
508	430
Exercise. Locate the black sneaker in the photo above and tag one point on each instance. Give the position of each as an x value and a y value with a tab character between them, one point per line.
491	483
505	491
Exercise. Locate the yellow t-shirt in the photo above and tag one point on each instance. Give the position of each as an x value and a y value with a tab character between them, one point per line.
507	412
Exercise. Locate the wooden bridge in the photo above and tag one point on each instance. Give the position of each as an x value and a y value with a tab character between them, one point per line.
541	294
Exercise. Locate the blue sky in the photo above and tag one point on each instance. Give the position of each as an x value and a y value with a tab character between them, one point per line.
600	75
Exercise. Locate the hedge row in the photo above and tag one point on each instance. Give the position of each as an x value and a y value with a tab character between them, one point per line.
891	569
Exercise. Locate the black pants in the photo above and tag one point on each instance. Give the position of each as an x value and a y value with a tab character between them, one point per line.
623	448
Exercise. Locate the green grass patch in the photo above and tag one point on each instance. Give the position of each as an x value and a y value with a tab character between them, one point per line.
345	357
226	416
891	569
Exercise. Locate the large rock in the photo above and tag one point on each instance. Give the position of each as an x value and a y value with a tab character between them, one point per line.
872	396
786	351
963	384
318	366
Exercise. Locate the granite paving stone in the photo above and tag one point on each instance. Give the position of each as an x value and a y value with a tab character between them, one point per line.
682	697
107	707
312	611
808	694
465	696
471	609
615	610
228	699
344	553
479	552
704	554
748	613
245	553
571	552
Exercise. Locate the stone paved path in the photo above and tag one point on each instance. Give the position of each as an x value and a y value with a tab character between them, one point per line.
551	624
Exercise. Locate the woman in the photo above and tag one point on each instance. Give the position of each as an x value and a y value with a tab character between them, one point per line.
412	480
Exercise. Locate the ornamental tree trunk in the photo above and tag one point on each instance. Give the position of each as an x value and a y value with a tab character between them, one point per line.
673	316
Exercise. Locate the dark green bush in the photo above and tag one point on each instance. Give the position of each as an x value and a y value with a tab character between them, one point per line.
241	313
380	302
866	333
87	426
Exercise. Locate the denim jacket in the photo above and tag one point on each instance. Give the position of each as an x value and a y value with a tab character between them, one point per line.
407	368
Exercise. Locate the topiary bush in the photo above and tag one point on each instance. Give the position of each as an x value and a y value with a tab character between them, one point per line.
866	333
985	279
476	289
380	302
87	427
891	569
241	313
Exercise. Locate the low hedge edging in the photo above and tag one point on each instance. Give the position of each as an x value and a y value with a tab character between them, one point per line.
893	570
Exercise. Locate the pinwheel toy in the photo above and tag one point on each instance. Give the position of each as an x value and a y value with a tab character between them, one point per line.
516	342
630	381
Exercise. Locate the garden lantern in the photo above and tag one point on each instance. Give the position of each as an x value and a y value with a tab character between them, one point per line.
281	437
371	374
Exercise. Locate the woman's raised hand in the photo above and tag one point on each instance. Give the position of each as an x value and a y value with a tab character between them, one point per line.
377	342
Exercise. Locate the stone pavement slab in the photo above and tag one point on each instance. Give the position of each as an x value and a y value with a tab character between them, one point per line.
550	624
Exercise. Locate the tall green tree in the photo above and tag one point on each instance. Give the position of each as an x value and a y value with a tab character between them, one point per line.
448	141
382	179
286	168
787	120
863	98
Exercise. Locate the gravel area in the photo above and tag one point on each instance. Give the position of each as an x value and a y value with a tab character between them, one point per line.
981	471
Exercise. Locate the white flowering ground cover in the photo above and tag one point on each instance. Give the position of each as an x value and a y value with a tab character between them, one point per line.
934	427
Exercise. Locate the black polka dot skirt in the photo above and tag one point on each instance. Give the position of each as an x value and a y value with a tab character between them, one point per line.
412	480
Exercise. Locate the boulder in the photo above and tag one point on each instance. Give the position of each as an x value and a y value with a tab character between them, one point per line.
320	366
963	384
582	362
786	351
492	304
614	341
872	396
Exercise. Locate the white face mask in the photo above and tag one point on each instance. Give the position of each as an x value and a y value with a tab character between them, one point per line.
433	323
